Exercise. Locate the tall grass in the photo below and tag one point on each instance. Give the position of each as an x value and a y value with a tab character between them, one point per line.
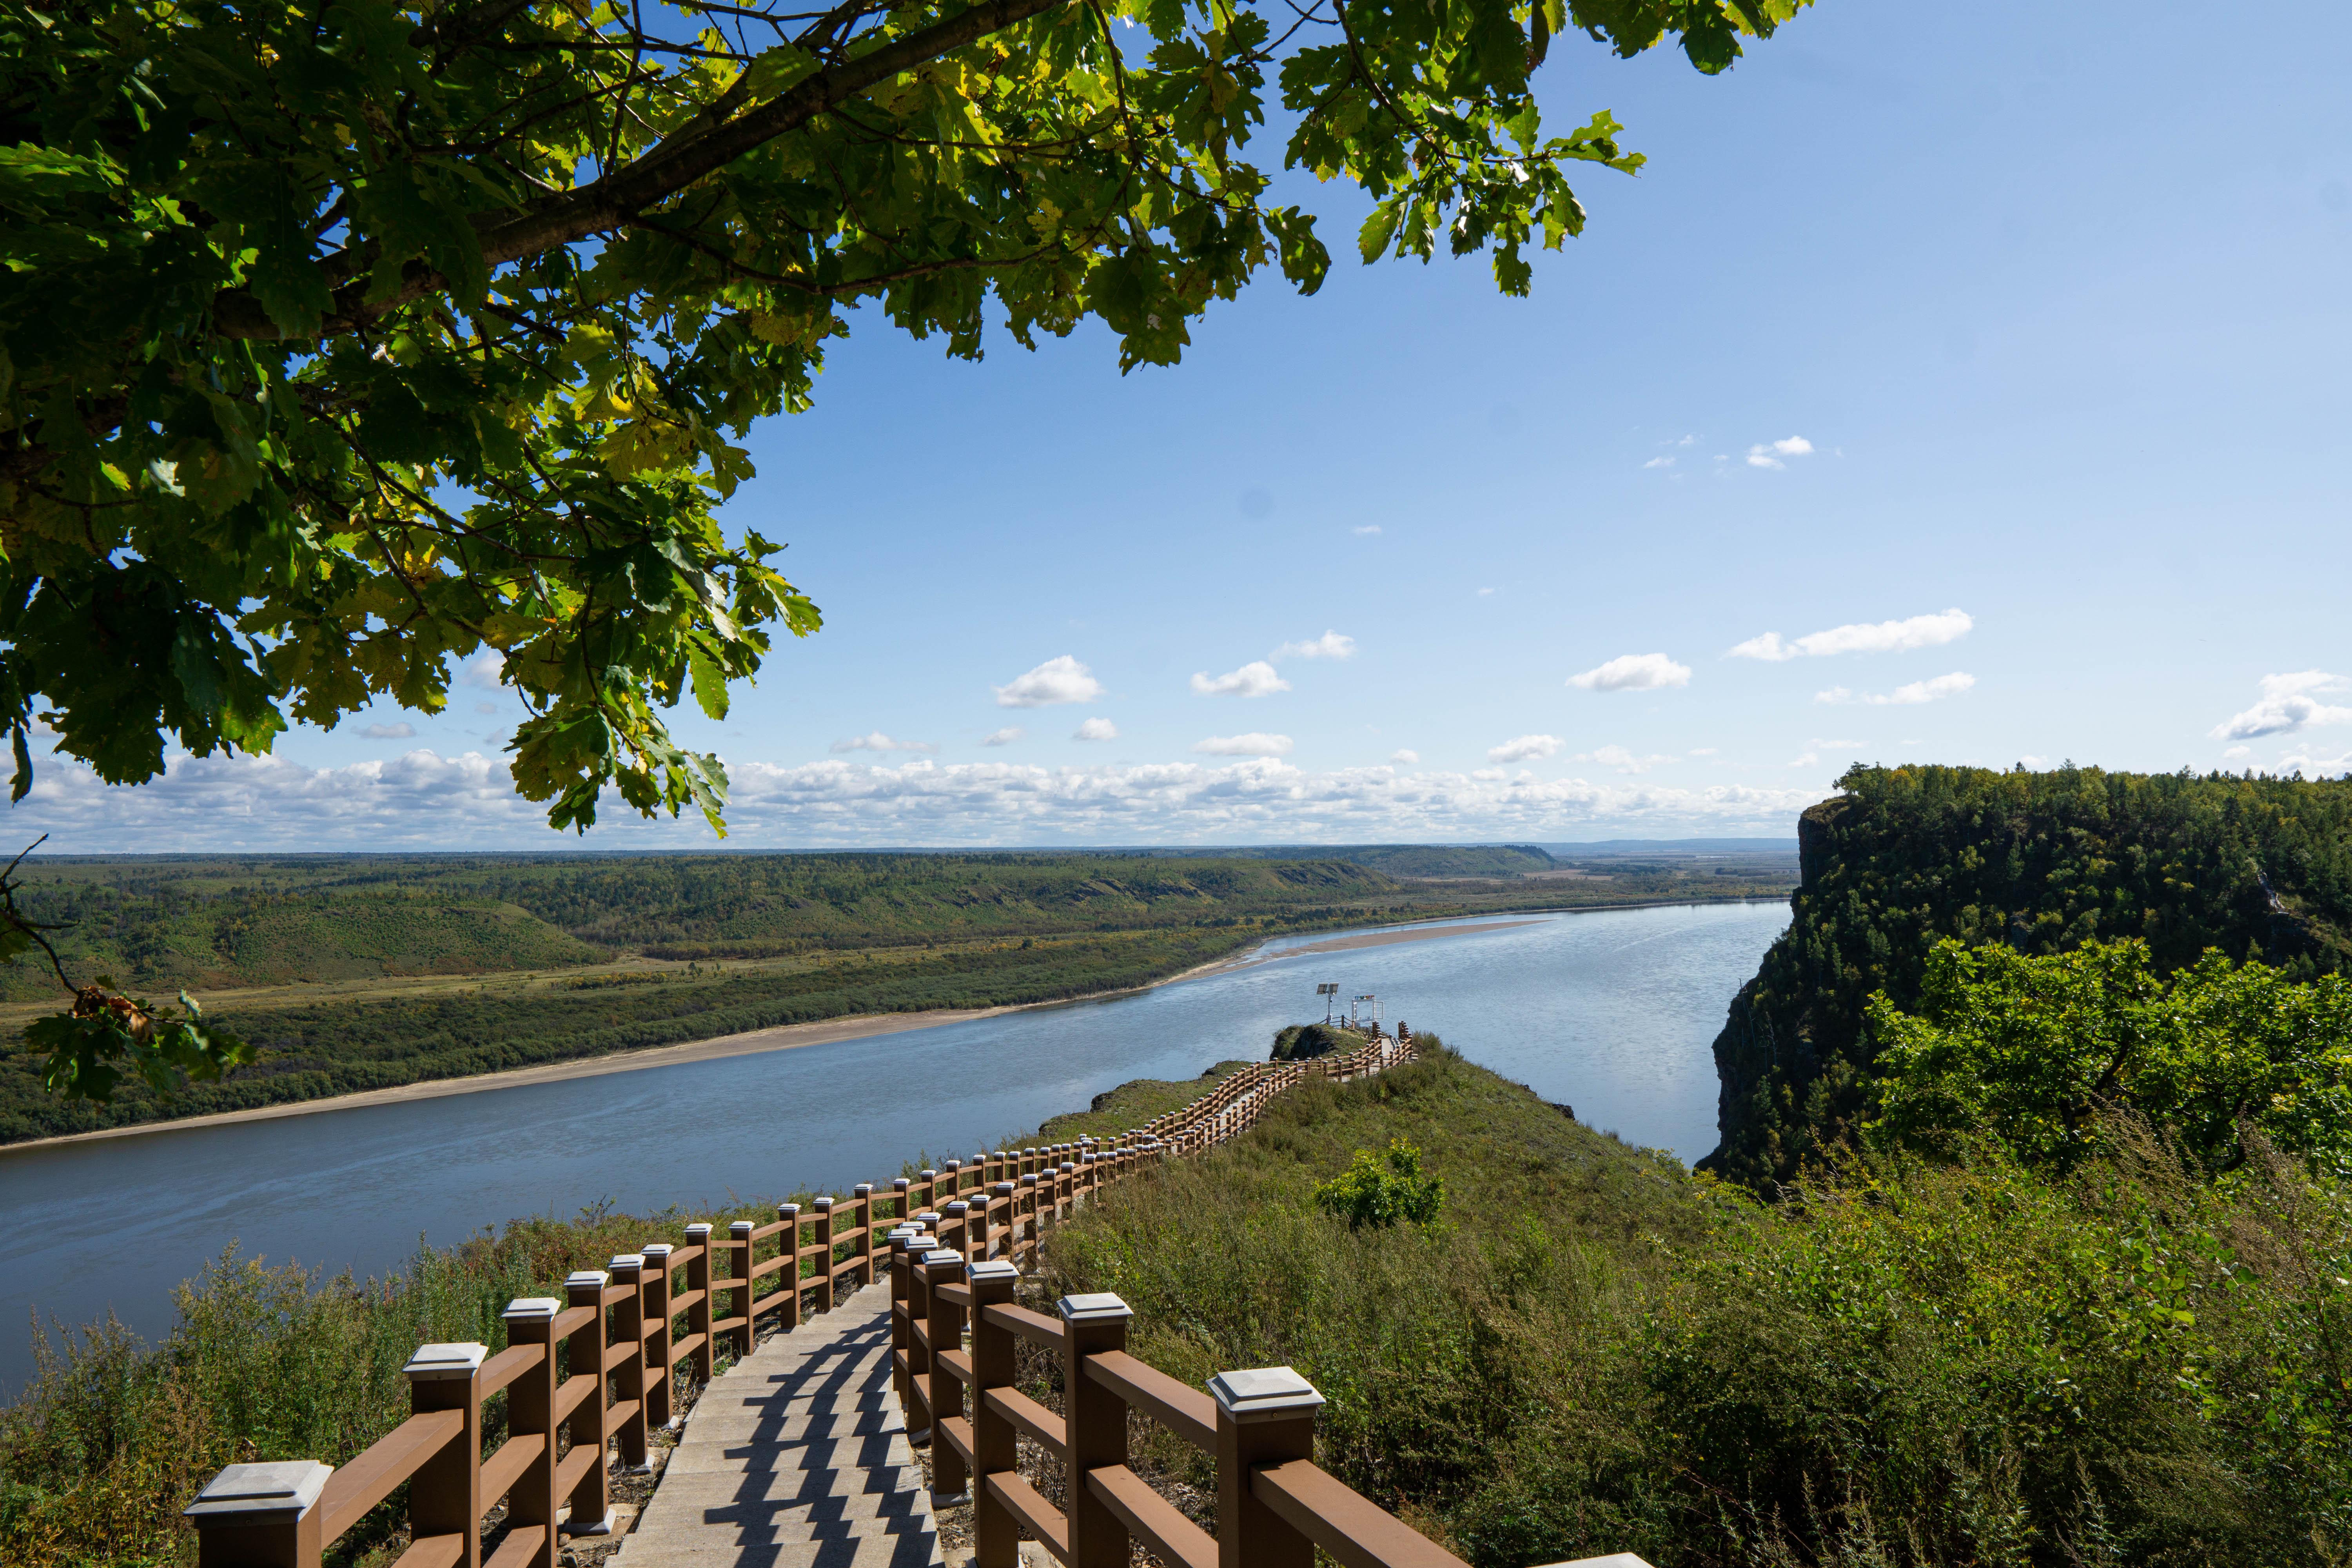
1949	1364
113	1437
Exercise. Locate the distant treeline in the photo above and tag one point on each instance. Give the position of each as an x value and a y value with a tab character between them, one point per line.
774	939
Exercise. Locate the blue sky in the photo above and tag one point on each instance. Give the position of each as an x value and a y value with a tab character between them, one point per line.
2046	305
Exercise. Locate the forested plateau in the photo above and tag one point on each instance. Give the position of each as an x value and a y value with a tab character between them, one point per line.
354	973
2256	867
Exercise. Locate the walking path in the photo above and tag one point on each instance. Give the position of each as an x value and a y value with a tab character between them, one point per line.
795	1457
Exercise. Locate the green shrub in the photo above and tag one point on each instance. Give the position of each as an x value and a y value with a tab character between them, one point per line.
1376	1192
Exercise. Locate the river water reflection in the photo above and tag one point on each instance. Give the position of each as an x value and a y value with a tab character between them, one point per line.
1610	1012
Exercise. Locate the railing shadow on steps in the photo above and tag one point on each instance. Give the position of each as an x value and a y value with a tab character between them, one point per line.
595	1374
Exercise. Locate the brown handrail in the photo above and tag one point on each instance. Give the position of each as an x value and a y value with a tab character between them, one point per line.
600	1369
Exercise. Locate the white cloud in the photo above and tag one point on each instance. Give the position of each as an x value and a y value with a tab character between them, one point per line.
1808	760
1768	455
2288	703
482	669
878	741
1255	679
1331	645
486	707
1659	463
1836	745
1875	637
1485	592
2235	752
2317	767
1405	755
1619	758
1525	746
1705	752
1253	744
2031	761
1056	680
1633	672
1368	528
1096	730
426	800
403	730
1005	736
1917	692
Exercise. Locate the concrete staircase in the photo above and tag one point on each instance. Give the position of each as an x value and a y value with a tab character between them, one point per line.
795	1457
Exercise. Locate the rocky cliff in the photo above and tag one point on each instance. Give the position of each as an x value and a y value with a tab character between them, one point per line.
2260	869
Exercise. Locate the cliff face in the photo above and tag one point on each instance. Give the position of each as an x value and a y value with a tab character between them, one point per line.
2260	868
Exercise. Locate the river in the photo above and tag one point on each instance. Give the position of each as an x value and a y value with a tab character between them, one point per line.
1610	1012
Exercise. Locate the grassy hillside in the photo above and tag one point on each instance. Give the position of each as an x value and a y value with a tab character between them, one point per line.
2259	867
1937	1366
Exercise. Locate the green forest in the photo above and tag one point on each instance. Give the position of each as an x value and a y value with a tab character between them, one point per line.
354	973
2040	862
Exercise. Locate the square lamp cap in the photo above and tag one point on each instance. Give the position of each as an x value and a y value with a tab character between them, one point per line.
699	1229
531	1308
1263	1394
434	1363
994	1268
587	1280
823	1204
863	1189
942	1256
259	1494
929	1216
958	1208
626	1260
1099	1307
658	1250
738	1226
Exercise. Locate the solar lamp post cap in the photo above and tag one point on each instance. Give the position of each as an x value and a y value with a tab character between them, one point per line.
699	1229
1095	1307
531	1308
1263	1394
587	1280
626	1261
258	1494
942	1257
994	1268
658	1250
440	1362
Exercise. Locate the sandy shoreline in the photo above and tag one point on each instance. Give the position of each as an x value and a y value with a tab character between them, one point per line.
782	1037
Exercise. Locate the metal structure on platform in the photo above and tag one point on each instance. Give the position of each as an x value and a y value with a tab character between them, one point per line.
1330	993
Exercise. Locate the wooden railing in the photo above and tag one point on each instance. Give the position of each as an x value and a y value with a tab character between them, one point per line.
597	1371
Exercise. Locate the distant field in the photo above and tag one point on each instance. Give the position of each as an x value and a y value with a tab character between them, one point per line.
368	972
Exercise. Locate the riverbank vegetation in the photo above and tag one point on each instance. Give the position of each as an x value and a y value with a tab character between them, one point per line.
352	973
2040	862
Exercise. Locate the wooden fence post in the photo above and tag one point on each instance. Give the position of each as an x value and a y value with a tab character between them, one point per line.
445	1495
1026	1236
864	1192
904	1240
1008	1235
955	1230
823	1228
592	1423
1095	1421
530	1416
944	1327
260	1516
1264	1416
629	1366
654	1290
739	1248
790	1241
996	1540
698	1314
